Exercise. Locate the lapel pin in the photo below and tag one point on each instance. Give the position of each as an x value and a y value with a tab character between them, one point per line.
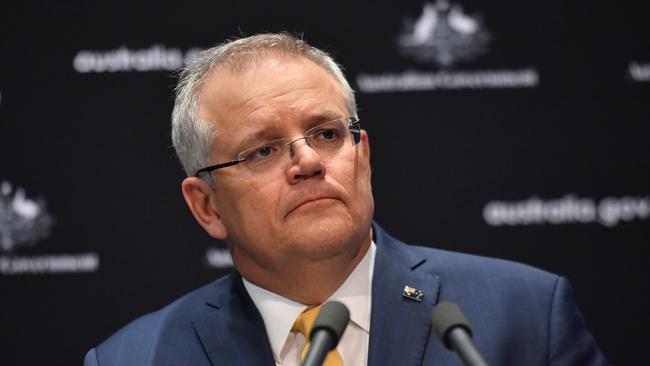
413	293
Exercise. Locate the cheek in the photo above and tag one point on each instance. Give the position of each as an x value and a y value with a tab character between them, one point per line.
257	196
361	168
353	175
363	183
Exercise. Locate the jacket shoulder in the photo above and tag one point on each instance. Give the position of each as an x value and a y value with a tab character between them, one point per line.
448	263
502	283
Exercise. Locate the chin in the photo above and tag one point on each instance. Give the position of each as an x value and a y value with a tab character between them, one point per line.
326	237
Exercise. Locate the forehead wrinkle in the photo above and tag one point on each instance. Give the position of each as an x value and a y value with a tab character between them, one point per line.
272	112
277	102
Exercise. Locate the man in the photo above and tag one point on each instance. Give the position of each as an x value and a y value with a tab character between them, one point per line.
267	130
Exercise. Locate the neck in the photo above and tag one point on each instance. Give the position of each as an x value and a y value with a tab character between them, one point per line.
307	281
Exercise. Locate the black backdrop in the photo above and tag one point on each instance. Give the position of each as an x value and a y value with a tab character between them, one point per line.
520	133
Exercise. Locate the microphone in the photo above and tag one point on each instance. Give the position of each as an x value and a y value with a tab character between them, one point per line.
453	330
326	332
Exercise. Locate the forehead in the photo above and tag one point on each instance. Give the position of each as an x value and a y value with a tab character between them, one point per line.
274	88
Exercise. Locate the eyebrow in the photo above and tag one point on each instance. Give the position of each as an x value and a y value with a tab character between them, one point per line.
262	134
267	133
324	117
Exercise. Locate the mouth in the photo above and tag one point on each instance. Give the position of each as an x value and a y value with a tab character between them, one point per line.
313	203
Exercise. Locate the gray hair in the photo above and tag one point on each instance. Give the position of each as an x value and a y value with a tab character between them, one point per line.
192	137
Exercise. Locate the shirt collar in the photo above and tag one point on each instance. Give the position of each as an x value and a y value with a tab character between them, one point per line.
279	313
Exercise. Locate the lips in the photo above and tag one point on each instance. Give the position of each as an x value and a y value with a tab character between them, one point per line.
310	199
316	200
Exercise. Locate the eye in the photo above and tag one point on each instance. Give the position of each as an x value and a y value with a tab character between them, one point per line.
327	134
262	152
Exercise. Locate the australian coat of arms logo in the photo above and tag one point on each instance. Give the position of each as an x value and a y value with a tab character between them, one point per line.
23	221
443	35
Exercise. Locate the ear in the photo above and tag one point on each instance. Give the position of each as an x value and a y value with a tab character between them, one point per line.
199	197
364	146
365	142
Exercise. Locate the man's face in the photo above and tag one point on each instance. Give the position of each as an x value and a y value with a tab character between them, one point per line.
311	207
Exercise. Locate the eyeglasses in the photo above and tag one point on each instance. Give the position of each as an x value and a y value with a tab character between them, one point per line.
326	138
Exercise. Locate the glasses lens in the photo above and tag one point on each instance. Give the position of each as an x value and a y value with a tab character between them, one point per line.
263	156
328	137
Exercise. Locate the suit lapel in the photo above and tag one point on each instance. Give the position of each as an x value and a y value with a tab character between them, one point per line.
231	329
399	327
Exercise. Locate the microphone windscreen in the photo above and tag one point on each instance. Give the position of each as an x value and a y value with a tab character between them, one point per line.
334	317
446	316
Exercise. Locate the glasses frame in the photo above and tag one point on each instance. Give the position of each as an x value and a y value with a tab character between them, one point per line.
354	126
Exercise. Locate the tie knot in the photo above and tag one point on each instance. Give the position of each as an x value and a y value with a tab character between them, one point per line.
303	324
305	321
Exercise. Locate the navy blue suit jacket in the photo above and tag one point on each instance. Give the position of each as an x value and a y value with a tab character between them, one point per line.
519	316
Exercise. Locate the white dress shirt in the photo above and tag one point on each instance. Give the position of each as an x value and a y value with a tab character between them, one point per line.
279	313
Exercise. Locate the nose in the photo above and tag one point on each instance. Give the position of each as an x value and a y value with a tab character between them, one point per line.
292	151
305	162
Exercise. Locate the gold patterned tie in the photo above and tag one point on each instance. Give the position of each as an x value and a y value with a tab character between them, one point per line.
303	324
